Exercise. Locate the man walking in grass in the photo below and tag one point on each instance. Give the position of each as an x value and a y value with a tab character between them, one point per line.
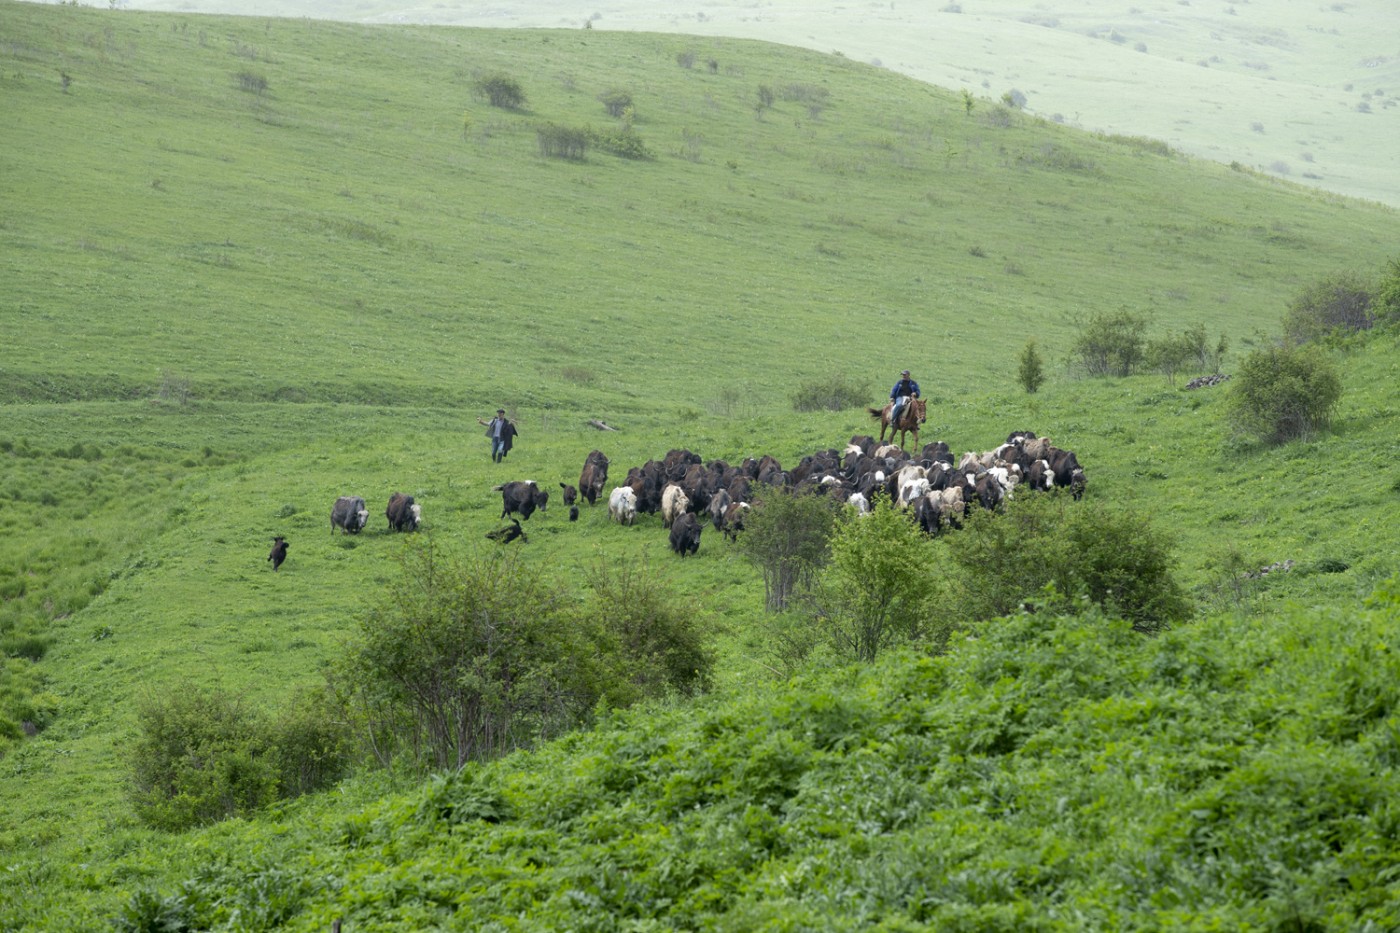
501	432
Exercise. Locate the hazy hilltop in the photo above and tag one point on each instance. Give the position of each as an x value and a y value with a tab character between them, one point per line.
1301	90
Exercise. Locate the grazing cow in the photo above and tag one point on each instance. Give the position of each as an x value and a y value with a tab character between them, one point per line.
719	504
594	476
685	534
279	551
622	505
349	515
674	503
521	496
403	513
734	520
573	513
1068	472
570	493
509	533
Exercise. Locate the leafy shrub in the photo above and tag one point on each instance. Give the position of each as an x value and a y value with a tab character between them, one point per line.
1283	393
1110	343
835	392
463	660
202	756
876	591
624	144
787	536
1030	371
562	142
1049	546
649	636
501	90
1339	303
1387	297
616	101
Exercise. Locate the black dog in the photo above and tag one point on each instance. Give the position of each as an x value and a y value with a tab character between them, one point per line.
279	551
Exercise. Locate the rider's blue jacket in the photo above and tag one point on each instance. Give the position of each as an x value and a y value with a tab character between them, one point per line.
905	387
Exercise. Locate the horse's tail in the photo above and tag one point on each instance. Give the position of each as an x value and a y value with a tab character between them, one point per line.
876	412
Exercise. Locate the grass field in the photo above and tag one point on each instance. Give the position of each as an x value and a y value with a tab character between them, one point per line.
1301	91
251	265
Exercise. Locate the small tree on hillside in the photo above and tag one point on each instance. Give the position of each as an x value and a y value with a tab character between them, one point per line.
501	90
1031	371
1169	354
616	102
786	535
1283	393
877	591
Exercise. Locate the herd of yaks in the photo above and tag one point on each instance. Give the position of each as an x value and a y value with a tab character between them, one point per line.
936	489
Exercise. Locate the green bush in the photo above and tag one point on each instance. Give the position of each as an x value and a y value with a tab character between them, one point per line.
202	756
464	660
1281	394
501	90
1336	304
649	636
835	392
877	590
562	142
1110	343
1387	296
624	144
616	102
1051	547
786	535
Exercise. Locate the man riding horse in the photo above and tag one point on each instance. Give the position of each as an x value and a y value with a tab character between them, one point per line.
905	411
903	390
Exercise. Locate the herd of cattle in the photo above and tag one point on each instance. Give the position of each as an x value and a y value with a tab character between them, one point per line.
931	485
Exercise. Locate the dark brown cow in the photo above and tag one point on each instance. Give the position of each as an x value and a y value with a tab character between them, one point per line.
279	551
403	513
521	496
594	476
685	534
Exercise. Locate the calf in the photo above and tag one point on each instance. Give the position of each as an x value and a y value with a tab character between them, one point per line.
349	515
570	493
279	551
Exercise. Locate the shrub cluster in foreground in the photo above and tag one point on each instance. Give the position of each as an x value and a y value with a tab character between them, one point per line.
1057	772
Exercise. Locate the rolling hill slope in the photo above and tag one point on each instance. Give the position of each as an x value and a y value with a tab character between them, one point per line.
251	265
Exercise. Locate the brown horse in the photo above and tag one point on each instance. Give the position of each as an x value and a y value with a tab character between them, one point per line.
909	420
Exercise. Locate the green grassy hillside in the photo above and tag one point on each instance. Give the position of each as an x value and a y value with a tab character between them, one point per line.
253	265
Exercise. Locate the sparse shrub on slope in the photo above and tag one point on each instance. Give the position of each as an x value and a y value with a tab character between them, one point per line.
1111	557
1110	343
1336	304
203	755
1282	394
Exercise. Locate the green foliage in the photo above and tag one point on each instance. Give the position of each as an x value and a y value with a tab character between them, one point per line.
202	756
463	659
1340	303
1110	343
835	392
616	101
1030	369
787	536
562	142
1169	354
877	590
1387	294
1051	547
623	143
1284	393
501	90
650	636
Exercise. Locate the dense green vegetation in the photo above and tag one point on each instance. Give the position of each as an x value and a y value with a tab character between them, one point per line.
251	265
